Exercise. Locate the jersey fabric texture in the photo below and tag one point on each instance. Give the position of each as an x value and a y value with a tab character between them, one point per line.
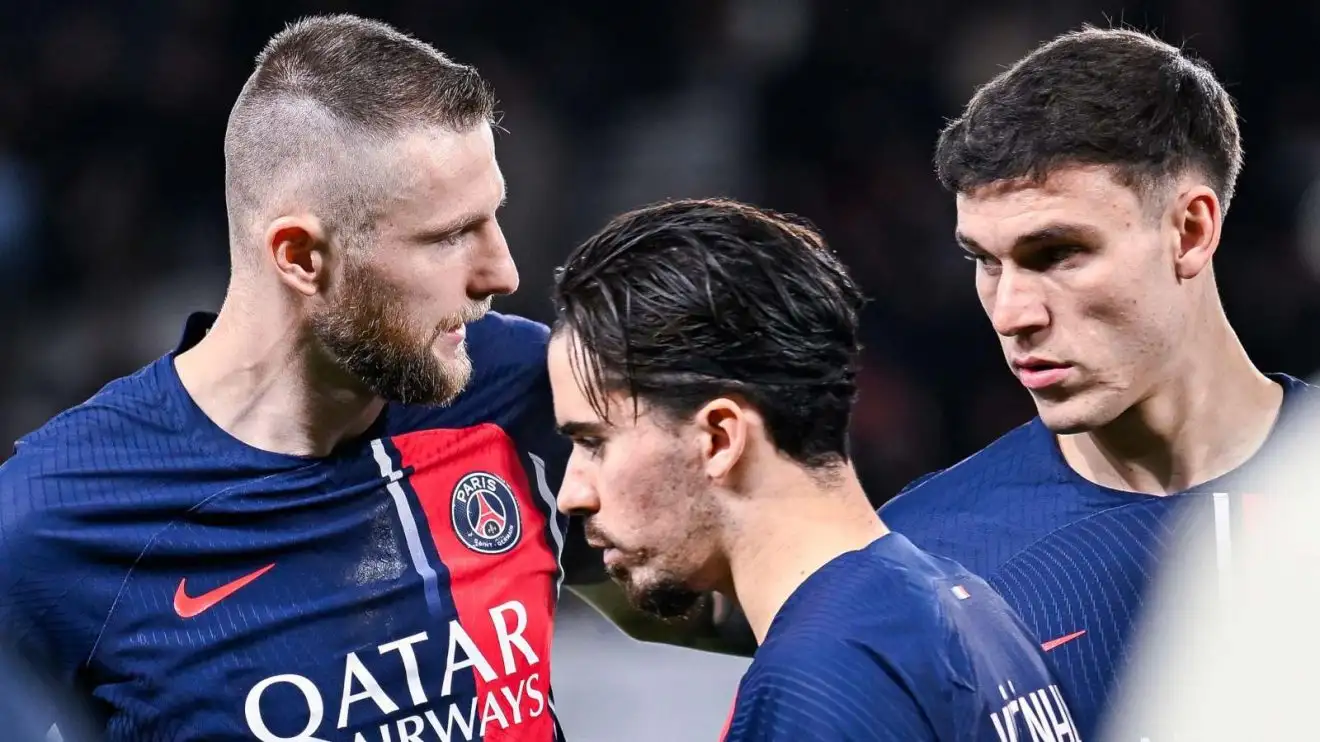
889	643
1072	558
192	587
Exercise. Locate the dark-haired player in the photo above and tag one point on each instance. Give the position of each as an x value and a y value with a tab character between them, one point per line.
329	514
704	366
1092	179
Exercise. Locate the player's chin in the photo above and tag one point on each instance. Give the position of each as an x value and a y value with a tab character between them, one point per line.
1072	414
663	596
449	378
670	601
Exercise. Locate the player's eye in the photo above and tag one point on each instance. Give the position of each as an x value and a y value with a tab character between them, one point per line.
1054	255
982	260
592	446
458	236
453	238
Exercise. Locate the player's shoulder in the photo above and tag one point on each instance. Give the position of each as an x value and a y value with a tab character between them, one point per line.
831	688
1304	390
1024	454
809	655
863	603
121	433
1300	398
926	621
996	503
70	483
128	410
873	626
508	342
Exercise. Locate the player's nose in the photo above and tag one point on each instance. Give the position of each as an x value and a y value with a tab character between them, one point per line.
493	269
1018	306
577	496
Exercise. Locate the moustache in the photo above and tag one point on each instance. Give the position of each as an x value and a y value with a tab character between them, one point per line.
469	314
595	536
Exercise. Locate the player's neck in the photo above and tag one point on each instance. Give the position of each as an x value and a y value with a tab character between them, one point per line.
780	538
253	377
1208	418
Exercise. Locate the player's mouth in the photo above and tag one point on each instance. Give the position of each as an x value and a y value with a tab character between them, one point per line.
611	555
1039	373
455	329
451	335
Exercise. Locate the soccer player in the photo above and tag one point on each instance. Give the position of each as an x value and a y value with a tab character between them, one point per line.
704	366
1092	179
329	514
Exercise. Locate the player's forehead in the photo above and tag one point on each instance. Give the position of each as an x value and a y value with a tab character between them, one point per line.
1075	202
442	176
571	401
568	365
574	392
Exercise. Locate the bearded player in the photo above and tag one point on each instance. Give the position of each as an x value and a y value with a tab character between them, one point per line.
1092	180
329	513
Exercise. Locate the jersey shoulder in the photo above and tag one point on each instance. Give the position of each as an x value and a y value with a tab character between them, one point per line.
988	506
116	454
887	636
1301	402
131	426
880	610
1022	454
827	689
1294	386
505	345
66	494
945	635
813	681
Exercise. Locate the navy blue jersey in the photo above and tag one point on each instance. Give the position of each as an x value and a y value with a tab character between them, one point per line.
195	588
889	643
1071	557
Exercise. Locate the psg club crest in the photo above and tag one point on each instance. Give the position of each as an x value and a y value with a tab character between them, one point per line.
485	513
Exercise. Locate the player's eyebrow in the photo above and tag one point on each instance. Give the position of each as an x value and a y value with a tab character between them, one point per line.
967	243
1050	233
459	223
440	233
577	429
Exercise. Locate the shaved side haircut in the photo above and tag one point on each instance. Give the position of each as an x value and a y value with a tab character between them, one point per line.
330	95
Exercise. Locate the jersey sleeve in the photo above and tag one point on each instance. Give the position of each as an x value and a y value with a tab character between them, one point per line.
823	691
50	597
33	572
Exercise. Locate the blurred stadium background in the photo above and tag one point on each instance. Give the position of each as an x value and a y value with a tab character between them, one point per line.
112	220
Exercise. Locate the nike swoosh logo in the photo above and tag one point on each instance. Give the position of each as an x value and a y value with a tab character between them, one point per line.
1056	643
187	606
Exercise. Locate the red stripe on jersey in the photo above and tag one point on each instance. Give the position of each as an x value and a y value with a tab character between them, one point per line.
491	536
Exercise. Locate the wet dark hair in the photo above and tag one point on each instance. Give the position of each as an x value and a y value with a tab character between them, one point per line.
683	302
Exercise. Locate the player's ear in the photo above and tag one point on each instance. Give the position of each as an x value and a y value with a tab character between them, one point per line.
1196	218
299	248
723	425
